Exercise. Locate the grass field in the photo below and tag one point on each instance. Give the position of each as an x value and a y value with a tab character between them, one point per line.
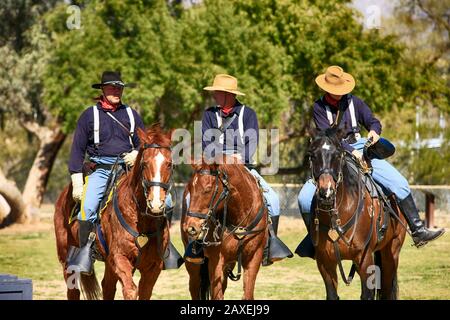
30	252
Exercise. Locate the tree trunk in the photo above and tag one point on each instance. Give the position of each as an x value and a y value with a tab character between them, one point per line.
51	141
12	195
4	208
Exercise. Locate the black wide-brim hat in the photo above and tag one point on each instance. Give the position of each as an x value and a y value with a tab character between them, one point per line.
112	78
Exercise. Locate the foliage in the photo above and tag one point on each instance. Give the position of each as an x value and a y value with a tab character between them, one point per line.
275	48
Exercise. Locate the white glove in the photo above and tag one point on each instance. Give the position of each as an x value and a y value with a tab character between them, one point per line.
77	186
130	157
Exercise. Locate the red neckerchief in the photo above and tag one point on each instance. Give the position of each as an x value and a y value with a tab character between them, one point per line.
106	105
227	110
331	101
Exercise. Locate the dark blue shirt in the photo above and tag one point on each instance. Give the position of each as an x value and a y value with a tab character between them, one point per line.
114	139
363	116
232	139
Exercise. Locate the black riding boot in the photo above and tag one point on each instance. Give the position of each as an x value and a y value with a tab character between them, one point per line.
306	247
420	234
172	258
80	259
275	249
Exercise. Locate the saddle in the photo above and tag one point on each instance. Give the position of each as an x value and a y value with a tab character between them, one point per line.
116	172
375	191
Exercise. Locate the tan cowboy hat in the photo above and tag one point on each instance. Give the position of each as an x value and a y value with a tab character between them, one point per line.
336	81
224	82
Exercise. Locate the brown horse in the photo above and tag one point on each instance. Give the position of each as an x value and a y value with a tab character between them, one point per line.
228	218
134	224
349	224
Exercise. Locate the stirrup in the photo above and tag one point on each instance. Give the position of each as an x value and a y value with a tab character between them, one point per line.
174	260
193	255
80	259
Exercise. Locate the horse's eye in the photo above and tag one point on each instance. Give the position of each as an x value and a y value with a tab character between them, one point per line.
207	190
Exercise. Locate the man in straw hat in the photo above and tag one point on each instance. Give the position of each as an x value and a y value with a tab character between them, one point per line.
354	112
105	132
238	137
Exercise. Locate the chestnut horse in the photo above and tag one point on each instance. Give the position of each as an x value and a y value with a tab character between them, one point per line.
134	224
228	217
349	224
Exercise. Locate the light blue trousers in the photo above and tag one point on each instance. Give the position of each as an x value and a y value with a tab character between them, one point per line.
270	196
383	173
94	186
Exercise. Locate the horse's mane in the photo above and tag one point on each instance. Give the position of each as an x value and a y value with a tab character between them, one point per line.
155	134
152	135
224	163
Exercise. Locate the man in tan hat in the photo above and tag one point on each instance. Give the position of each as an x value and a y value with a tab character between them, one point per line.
238	129
338	108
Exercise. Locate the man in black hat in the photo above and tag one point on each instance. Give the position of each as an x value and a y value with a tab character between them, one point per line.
105	131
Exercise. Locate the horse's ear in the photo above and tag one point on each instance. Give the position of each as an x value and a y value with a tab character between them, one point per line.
196	163
341	133
141	134
312	132
170	132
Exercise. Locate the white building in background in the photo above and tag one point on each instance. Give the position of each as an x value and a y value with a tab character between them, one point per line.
431	143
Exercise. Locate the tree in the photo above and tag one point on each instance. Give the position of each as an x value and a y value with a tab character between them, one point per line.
24	49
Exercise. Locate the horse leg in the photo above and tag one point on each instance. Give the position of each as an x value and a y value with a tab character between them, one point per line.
369	277
390	255
123	269
148	279
216	274
194	279
328	271
251	269
109	282
72	292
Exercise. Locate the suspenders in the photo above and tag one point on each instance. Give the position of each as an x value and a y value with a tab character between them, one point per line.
97	125
224	125
351	108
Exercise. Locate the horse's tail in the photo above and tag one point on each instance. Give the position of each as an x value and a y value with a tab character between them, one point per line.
377	260
205	285
90	287
60	221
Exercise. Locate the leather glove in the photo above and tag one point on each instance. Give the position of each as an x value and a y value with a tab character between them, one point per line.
77	186
357	154
375	137
130	158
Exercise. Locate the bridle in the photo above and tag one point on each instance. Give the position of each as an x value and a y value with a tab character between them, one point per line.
337	176
146	184
210	216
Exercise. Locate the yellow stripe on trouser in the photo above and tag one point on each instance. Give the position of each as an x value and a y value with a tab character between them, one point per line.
83	214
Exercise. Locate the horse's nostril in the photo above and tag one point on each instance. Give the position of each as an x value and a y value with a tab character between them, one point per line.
192	231
149	204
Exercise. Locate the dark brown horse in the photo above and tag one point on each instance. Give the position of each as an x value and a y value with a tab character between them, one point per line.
134	224
227	216
349	224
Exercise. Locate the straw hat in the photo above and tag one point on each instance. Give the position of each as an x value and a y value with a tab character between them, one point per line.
336	81
224	82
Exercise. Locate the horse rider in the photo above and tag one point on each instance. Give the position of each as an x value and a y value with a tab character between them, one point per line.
105	132
237	126
354	112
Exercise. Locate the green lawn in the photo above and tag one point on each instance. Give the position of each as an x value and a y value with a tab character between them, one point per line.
423	273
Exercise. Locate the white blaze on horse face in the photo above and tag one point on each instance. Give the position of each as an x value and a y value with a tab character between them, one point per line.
328	194
326	146
156	202
195	181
